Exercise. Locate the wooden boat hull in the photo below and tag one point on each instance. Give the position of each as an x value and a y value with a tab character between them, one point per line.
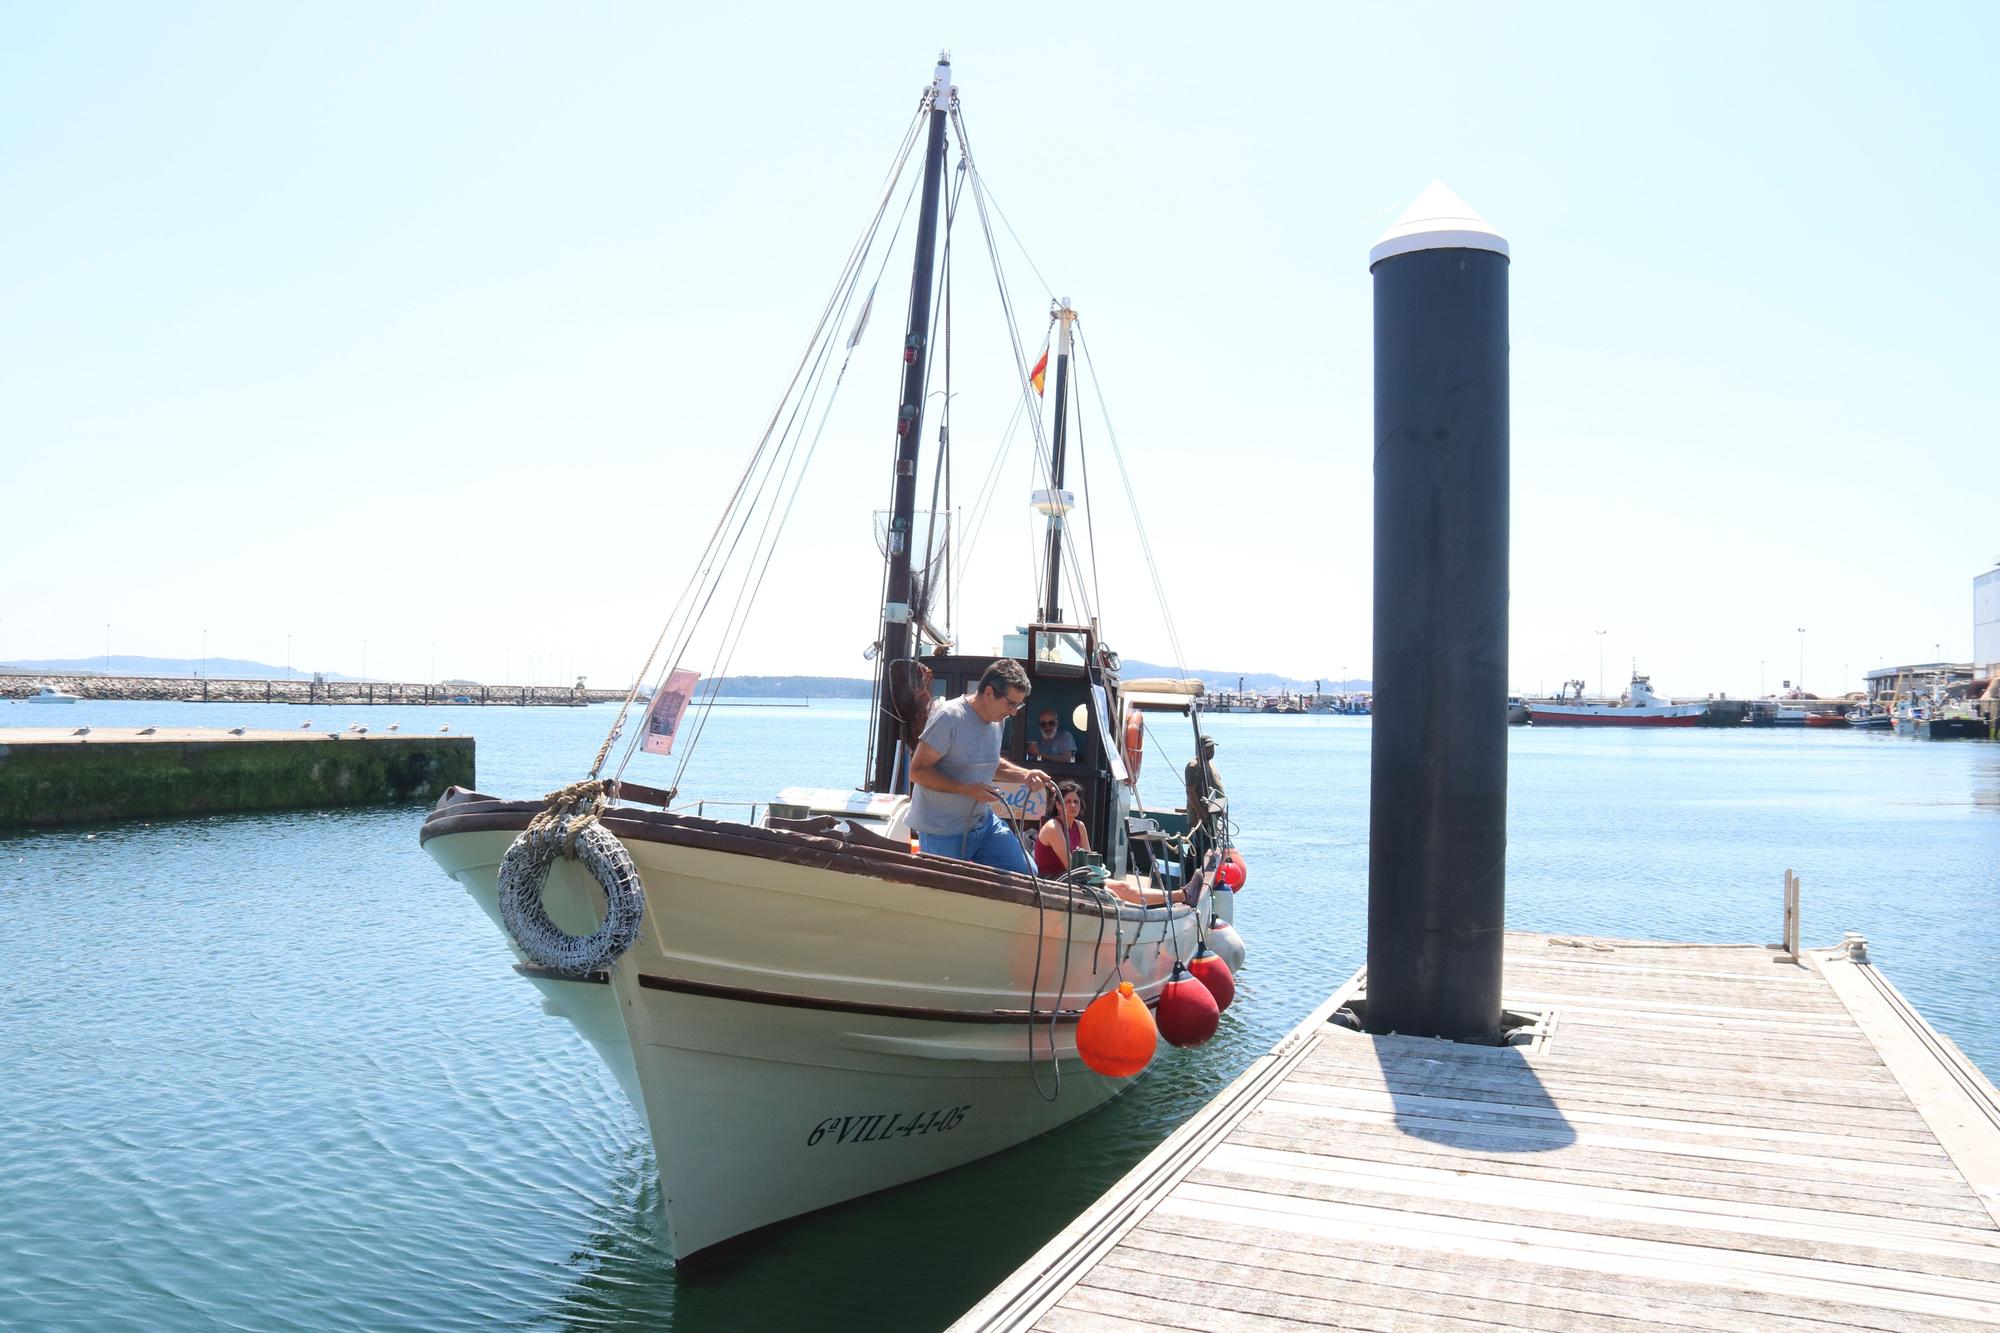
801	1022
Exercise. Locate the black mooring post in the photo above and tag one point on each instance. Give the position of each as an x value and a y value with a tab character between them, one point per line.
1438	823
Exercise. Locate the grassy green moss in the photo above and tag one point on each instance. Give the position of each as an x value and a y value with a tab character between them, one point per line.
75	782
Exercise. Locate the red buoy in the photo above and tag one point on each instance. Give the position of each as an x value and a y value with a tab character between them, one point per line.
1233	870
1212	972
1116	1035
1187	1014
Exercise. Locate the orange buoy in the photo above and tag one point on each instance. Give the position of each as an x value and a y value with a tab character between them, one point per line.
1188	1013
1135	744
1116	1035
1212	972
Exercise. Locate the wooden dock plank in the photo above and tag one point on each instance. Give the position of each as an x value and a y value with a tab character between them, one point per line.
1700	1138
1662	1302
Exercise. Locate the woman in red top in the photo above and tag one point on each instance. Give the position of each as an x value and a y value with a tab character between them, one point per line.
1062	834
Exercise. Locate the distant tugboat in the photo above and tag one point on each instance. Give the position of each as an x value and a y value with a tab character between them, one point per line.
1638	707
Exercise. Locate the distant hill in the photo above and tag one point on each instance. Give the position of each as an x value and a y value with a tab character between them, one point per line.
795	687
737	687
1254	682
851	687
220	668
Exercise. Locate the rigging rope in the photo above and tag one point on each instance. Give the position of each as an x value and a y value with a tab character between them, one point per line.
704	566
712	567
1138	519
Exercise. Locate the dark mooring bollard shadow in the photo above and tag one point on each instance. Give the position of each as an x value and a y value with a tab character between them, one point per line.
1485	1099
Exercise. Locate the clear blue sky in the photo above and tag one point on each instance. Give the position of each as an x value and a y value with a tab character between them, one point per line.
440	327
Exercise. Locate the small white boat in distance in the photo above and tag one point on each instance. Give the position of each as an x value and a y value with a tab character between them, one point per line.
1637	707
49	694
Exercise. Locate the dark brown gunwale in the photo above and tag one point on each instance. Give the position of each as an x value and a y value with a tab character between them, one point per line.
652	981
472	815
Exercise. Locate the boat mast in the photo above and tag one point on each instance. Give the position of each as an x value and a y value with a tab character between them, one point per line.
1055	501
909	427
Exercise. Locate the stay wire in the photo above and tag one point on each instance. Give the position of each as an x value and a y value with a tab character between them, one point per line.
856	253
1044	454
765	548
1132	499
939	278
742	504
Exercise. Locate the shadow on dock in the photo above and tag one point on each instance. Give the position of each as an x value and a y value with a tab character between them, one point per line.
1485	1099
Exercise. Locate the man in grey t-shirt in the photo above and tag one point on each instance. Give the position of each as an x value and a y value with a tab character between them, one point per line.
952	773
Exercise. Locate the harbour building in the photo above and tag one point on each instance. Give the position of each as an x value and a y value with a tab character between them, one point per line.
1986	622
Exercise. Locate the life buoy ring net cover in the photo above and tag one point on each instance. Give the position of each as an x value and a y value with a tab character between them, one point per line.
524	870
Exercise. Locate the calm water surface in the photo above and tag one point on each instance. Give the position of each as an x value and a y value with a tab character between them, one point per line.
271	1072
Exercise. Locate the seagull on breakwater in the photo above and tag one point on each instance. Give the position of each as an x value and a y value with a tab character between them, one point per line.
392	726
443	729
148	731
81	731
306	725
358	729
238	731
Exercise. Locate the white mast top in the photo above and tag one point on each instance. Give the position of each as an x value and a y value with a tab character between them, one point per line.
1438	220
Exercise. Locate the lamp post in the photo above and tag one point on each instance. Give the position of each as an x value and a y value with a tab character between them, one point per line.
1600	664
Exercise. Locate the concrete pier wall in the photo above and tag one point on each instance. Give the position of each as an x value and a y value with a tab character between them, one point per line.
54	777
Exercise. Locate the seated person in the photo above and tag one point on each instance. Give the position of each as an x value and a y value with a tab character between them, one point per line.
1062	833
1050	741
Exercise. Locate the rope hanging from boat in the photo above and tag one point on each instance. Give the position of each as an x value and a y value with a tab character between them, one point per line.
568	828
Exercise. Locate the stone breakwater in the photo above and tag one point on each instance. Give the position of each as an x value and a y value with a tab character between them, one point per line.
205	689
55	776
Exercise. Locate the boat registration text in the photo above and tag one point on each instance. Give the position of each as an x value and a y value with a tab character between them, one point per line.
875	1128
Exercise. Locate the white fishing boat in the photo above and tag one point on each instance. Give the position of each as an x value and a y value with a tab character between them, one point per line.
802	1008
1637	707
49	694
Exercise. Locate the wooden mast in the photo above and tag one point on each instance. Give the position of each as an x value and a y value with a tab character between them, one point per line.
896	613
1055	502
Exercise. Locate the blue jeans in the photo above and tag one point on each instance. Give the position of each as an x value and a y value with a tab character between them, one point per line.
989	842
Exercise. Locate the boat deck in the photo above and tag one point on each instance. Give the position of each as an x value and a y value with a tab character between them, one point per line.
1697	1137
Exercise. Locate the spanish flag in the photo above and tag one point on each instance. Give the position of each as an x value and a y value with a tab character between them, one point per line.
1039	373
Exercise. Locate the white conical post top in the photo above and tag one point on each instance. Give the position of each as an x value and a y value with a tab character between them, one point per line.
1438	220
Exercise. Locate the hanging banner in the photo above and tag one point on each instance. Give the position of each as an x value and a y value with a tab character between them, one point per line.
663	717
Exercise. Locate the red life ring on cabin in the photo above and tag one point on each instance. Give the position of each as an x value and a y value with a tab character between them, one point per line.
1135	744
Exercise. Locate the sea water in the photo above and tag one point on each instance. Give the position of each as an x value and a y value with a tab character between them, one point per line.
274	1071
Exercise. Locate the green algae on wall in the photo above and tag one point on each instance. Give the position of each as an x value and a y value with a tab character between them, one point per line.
74	780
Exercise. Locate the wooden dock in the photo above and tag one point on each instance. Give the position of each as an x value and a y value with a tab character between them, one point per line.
1695	1137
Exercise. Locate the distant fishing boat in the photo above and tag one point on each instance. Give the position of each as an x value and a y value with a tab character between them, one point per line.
1637	707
